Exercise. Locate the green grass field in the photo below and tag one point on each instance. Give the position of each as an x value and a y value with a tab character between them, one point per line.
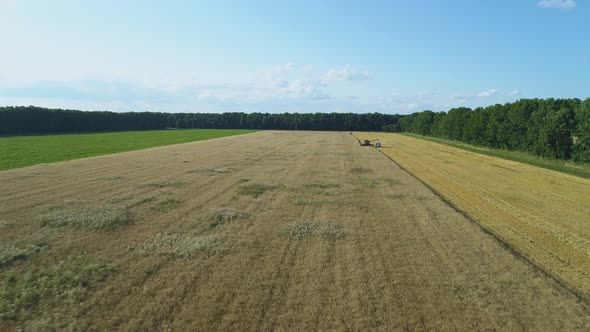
21	151
568	167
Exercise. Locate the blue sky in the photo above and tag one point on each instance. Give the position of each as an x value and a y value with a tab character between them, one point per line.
291	56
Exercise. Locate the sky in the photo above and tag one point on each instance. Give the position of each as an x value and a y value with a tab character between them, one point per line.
395	56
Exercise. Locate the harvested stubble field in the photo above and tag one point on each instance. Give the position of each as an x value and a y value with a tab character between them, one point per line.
270	230
543	214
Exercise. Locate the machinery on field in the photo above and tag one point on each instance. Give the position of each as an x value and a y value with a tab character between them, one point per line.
369	143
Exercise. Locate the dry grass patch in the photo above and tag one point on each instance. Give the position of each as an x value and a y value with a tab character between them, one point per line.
167	205
255	190
360	170
55	290
112	178
392	182
166	184
396	196
321	185
224	216
180	247
86	216
309	201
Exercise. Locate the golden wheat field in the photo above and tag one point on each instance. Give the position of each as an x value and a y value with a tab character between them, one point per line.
544	214
275	231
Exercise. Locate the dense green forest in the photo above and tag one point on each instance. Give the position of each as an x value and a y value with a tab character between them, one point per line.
25	120
556	128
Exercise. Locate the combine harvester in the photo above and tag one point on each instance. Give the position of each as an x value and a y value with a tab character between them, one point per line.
368	143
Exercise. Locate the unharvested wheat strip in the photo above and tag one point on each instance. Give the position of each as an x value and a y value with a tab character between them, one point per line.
542	213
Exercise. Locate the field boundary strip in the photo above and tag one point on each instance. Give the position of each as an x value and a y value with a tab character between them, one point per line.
525	158
584	298
29	150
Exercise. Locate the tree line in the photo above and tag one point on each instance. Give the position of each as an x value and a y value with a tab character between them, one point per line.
556	128
28	120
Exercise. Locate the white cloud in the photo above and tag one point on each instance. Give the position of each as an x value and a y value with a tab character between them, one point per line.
488	93
557	4
306	89
347	74
514	93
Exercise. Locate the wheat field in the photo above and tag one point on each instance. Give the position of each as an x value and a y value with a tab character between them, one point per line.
543	214
265	231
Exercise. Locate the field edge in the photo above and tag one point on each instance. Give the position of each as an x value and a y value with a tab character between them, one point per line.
580	295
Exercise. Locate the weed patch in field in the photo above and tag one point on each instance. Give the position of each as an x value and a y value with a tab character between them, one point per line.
9	255
85	216
167	205
370	183
113	178
309	201
6	224
141	201
224	216
360	170
333	232
392	182
255	189
180	247
299	231
120	200
396	196
217	170
62	286
165	184
321	185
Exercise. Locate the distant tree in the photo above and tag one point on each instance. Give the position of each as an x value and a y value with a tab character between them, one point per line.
581	134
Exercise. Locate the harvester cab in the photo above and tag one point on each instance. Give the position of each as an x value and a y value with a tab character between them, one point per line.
369	143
